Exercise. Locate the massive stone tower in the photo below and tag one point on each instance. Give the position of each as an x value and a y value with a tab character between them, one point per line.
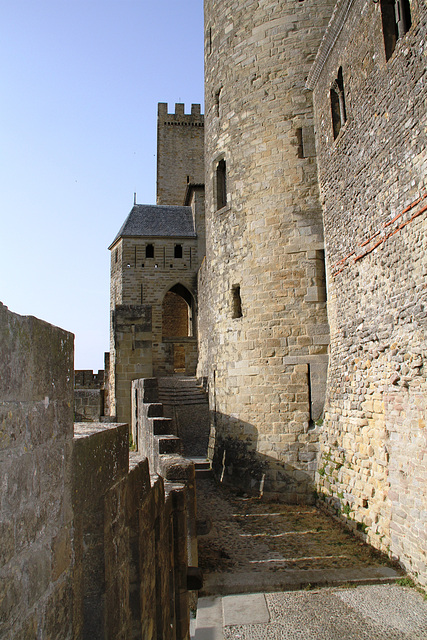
263	329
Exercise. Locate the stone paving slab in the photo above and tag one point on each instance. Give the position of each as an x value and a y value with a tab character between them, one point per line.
209	621
252	608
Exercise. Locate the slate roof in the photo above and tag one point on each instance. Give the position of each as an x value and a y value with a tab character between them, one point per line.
157	220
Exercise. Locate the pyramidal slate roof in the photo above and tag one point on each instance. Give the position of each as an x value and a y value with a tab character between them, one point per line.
157	220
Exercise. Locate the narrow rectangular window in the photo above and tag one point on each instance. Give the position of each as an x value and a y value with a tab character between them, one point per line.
396	21
178	251
236	301
149	251
339	114
217	97
221	185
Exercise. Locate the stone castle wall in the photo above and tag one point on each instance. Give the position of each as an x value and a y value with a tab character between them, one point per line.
263	323
138	287
88	405
91	544
90	394
180	138
36	431
372	467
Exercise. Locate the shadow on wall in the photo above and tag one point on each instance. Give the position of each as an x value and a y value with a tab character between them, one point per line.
236	461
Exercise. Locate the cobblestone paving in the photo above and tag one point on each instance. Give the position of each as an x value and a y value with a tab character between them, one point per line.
378	612
250	535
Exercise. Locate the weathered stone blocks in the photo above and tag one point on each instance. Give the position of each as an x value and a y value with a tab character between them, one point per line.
267	240
373	184
91	545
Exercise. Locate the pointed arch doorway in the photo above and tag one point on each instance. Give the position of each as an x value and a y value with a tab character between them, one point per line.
178	330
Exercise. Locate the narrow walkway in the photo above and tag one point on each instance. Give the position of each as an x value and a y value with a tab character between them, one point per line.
277	546
264	564
272	571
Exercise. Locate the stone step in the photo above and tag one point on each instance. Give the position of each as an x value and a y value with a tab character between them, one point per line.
168	444
215	584
155	409
177	396
162	426
202	466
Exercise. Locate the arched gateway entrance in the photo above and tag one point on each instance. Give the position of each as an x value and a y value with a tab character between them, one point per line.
178	334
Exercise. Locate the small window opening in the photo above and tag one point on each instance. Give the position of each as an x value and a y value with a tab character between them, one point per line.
305	142
178	251
300	146
311	424
221	185
149	251
115	255
396	21
236	301
339	114
217	96
209	39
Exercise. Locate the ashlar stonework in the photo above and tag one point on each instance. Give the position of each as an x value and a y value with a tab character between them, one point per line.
266	364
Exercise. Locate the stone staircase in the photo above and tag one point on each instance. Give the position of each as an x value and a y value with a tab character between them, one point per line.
186	403
181	390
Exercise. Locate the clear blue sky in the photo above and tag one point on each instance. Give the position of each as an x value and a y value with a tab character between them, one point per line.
81	80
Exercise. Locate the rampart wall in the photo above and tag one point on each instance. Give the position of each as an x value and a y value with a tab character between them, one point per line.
372	467
88	379
88	405
92	544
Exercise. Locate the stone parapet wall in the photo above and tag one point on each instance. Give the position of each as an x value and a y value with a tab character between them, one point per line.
92	545
373	181
153	436
130	575
36	431
88	379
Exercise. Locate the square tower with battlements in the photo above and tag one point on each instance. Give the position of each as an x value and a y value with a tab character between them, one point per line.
180	144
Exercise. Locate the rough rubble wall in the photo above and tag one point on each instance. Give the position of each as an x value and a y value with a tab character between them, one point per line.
91	545
267	368
180	138
36	431
372	467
